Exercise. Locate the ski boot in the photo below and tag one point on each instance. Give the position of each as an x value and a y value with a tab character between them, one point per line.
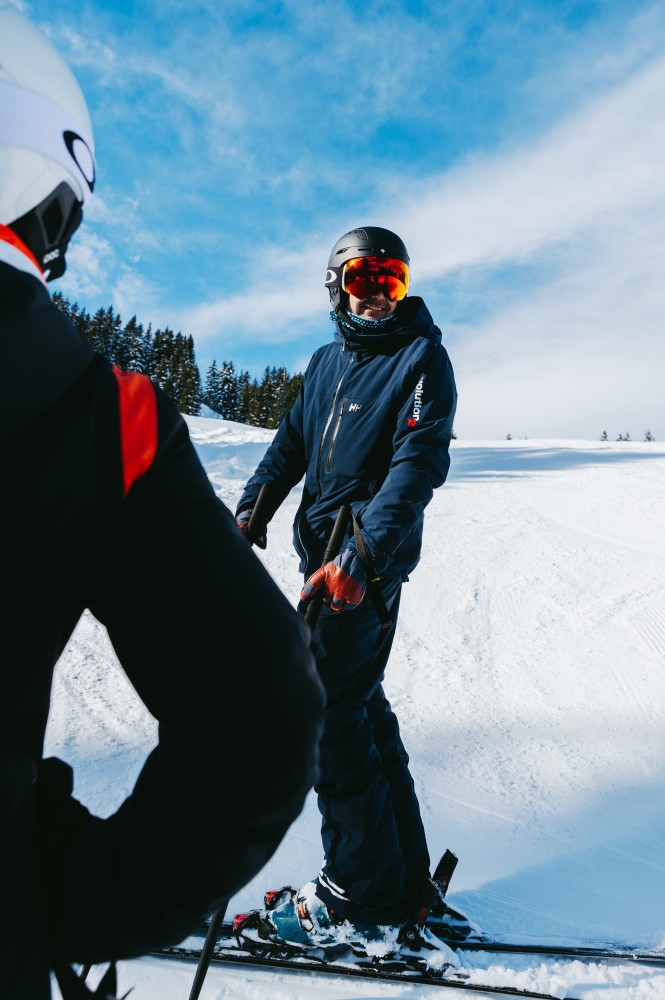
299	923
291	919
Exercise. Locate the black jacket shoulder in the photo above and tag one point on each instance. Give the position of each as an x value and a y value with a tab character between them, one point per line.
41	353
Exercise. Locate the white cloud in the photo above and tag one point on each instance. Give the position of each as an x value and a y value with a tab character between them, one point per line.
584	348
601	162
581	354
511	207
95	274
582	207
90	259
558	237
288	289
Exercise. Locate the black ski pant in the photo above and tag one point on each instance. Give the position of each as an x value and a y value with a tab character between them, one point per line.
376	858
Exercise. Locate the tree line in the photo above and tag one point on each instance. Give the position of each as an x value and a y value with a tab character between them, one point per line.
235	396
168	359
648	436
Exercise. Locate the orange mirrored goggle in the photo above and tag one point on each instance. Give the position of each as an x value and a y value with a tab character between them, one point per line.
363	277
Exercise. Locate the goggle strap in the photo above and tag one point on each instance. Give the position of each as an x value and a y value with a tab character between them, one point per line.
334	277
33	122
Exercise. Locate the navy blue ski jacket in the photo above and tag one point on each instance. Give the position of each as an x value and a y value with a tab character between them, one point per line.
372	428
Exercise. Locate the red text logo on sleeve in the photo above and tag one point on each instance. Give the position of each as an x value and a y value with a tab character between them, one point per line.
417	404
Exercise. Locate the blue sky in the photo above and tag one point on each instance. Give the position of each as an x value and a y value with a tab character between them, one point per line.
517	147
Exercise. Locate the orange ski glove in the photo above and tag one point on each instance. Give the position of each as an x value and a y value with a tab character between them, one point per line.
343	582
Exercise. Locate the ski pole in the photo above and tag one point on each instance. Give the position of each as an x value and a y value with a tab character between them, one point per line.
334	545
373	588
208	948
259	511
253	528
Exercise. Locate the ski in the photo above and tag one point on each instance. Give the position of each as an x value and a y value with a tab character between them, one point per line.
601	952
557	951
300	964
233	943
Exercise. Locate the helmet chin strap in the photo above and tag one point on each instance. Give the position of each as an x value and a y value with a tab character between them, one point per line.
338	300
48	227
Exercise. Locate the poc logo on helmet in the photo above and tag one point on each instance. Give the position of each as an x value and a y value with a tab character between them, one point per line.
417	404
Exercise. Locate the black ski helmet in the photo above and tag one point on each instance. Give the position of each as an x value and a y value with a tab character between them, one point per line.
370	241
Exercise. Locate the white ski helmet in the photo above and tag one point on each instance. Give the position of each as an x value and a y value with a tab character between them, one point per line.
47	164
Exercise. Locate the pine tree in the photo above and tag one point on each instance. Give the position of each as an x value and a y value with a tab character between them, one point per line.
189	380
113	334
146	349
161	358
66	307
293	386
211	389
252	400
135	351
285	393
96	332
264	397
244	396
177	368
169	360
277	394
229	393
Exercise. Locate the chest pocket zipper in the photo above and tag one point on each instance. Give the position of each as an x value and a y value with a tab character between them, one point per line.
334	436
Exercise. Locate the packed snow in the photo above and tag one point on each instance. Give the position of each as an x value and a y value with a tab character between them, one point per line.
528	675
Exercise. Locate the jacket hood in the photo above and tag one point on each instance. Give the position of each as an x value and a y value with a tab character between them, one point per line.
411	319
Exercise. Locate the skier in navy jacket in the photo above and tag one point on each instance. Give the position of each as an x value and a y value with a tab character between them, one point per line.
371	428
105	505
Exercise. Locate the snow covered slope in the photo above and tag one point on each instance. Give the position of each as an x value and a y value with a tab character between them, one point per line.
529	679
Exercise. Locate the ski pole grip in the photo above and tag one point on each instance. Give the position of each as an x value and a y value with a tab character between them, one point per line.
259	515
332	549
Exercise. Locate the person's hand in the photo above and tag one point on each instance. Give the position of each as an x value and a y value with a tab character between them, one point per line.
343	582
242	520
